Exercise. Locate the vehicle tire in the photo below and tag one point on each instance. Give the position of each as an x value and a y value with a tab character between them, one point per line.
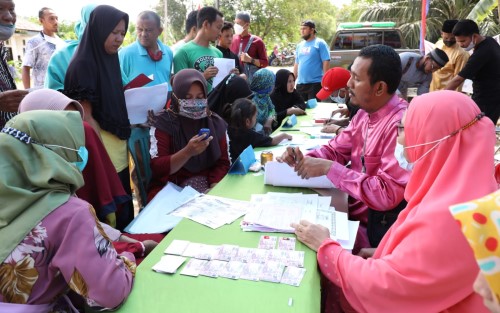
275	62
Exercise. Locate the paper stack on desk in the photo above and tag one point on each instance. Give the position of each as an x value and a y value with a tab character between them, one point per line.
281	174
274	212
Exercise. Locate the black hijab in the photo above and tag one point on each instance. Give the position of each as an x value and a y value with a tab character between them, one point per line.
281	98
232	87
95	75
182	129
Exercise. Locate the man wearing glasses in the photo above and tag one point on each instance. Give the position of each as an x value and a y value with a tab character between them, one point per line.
148	55
418	69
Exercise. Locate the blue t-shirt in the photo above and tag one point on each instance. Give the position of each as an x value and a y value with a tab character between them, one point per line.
310	56
134	60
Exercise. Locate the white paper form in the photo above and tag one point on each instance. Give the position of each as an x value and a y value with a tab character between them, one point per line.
212	211
140	100
224	66
280	174
353	230
155	218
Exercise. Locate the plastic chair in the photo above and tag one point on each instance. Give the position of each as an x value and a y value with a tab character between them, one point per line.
138	145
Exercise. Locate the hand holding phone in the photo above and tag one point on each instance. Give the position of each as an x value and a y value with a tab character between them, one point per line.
204	132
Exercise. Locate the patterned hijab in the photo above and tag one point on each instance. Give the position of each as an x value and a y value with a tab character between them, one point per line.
35	179
95	75
182	129
262	85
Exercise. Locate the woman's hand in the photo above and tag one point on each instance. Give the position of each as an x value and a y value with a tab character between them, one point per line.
366	253
312	235
296	111
197	145
268	126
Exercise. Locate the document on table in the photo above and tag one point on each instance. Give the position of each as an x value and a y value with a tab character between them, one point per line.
281	174
155	217
140	100
212	211
224	66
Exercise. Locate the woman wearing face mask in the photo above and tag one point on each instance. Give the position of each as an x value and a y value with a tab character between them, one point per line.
94	79
178	153
286	99
51	240
412	270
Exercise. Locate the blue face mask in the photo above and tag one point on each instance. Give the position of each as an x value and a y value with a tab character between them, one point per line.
399	154
83	153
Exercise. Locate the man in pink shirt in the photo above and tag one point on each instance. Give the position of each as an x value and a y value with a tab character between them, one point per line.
374	180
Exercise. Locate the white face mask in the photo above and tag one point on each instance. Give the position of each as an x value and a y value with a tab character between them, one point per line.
471	45
238	29
399	154
6	31
338	99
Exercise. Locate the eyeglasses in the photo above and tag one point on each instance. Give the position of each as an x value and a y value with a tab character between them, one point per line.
401	129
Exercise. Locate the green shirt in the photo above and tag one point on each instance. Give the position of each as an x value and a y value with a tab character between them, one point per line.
192	55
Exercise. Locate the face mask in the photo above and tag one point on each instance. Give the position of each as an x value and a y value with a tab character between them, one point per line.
399	154
83	154
338	99
471	45
449	43
6	31
238	29
193	108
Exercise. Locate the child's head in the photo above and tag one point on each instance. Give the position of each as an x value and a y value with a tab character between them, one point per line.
243	114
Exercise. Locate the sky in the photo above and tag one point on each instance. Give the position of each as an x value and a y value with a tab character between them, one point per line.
69	10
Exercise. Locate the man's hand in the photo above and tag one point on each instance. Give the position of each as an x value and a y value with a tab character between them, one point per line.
312	235
312	167
235	71
10	99
210	72
291	156
245	57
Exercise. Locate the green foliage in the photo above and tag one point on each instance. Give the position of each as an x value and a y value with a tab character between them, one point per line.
482	10
407	13
67	30
278	21
177	11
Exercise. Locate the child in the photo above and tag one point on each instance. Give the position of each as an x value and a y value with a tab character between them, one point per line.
241	133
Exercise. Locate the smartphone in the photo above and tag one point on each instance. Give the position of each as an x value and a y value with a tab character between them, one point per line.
204	131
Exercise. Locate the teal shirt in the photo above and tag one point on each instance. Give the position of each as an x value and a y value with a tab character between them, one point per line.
195	56
134	60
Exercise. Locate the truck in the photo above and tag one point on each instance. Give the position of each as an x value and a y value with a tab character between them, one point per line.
352	37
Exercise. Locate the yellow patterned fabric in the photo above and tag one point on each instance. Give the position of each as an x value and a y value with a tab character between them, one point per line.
480	223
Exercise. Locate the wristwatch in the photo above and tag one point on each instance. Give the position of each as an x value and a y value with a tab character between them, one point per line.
252	60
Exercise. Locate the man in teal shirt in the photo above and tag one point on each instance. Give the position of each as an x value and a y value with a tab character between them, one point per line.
198	53
148	55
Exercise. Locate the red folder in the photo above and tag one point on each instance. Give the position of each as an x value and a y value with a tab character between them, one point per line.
137	82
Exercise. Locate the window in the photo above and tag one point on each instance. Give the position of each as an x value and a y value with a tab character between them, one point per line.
392	39
343	41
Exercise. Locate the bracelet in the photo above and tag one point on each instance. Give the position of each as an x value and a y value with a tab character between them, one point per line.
337	131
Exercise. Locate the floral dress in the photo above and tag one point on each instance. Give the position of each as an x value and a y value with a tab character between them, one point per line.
68	249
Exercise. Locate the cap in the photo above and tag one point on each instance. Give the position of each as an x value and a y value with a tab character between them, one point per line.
439	56
334	79
448	26
309	23
47	99
244	16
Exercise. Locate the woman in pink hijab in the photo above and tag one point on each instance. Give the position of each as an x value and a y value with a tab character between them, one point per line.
423	263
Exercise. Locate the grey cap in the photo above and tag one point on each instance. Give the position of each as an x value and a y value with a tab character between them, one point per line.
439	56
244	16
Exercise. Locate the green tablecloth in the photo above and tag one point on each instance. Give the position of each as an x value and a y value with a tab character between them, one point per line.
155	292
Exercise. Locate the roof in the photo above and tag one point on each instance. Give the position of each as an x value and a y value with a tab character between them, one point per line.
24	24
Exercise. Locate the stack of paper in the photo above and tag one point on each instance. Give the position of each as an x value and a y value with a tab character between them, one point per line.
281	174
274	212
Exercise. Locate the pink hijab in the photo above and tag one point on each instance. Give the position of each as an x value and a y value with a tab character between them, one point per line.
423	263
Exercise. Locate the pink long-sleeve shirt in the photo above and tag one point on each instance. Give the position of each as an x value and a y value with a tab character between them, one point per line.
381	183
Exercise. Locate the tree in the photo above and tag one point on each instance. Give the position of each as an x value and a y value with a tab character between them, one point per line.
408	15
177	12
